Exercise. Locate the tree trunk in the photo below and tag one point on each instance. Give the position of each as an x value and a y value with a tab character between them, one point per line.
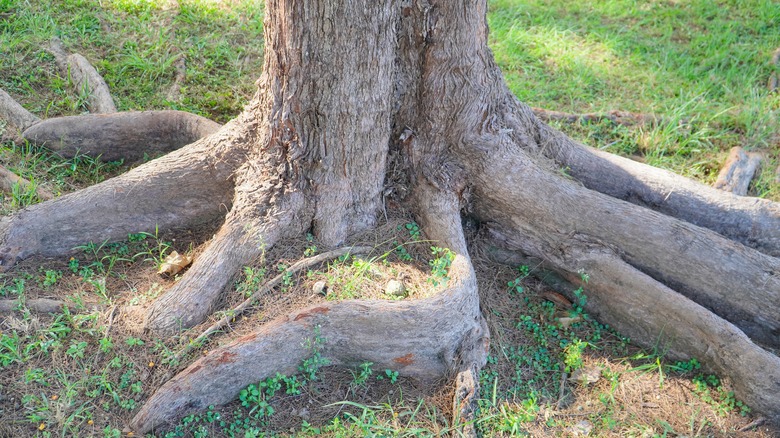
365	82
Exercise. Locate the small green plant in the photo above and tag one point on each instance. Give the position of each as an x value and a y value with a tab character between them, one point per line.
413	229
361	376
573	355
50	277
440	265
16	287
253	277
311	248
77	349
389	374
311	365
73	265
134	342
154	252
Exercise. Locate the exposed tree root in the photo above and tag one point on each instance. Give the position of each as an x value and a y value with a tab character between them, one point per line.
9	180
738	171
751	221
618	245
237	244
618	117
190	186
267	287
129	136
38	305
653	315
174	93
674	252
14	113
85	78
435	340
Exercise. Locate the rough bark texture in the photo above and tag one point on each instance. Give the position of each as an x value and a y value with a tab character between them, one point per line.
14	113
441	334
166	193
39	305
85	78
365	80
128	136
738	171
750	221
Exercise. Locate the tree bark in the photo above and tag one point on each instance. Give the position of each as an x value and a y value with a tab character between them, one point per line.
85	78
365	80
738	171
128	136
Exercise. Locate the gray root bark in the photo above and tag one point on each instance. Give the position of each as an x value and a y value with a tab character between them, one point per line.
738	171
38	305
445	332
85	78
752	222
651	314
129	136
365	78
185	188
268	287
15	114
672	251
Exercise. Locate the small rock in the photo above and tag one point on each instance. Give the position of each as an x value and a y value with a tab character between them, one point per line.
320	287
303	413
582	428
587	375
567	321
174	263
395	288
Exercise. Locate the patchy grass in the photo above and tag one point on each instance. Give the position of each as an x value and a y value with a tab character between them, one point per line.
700	65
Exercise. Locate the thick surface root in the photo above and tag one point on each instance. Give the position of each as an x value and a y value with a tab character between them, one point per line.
751	221
705	266
634	257
238	243
14	113
652	314
440	335
9	180
129	136
184	188
84	77
187	187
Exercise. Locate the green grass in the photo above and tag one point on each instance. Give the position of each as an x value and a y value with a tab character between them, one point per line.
705	63
700	65
134	44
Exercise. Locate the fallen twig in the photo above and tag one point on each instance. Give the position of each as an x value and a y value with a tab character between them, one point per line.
174	93
774	78
562	390
753	424
294	268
